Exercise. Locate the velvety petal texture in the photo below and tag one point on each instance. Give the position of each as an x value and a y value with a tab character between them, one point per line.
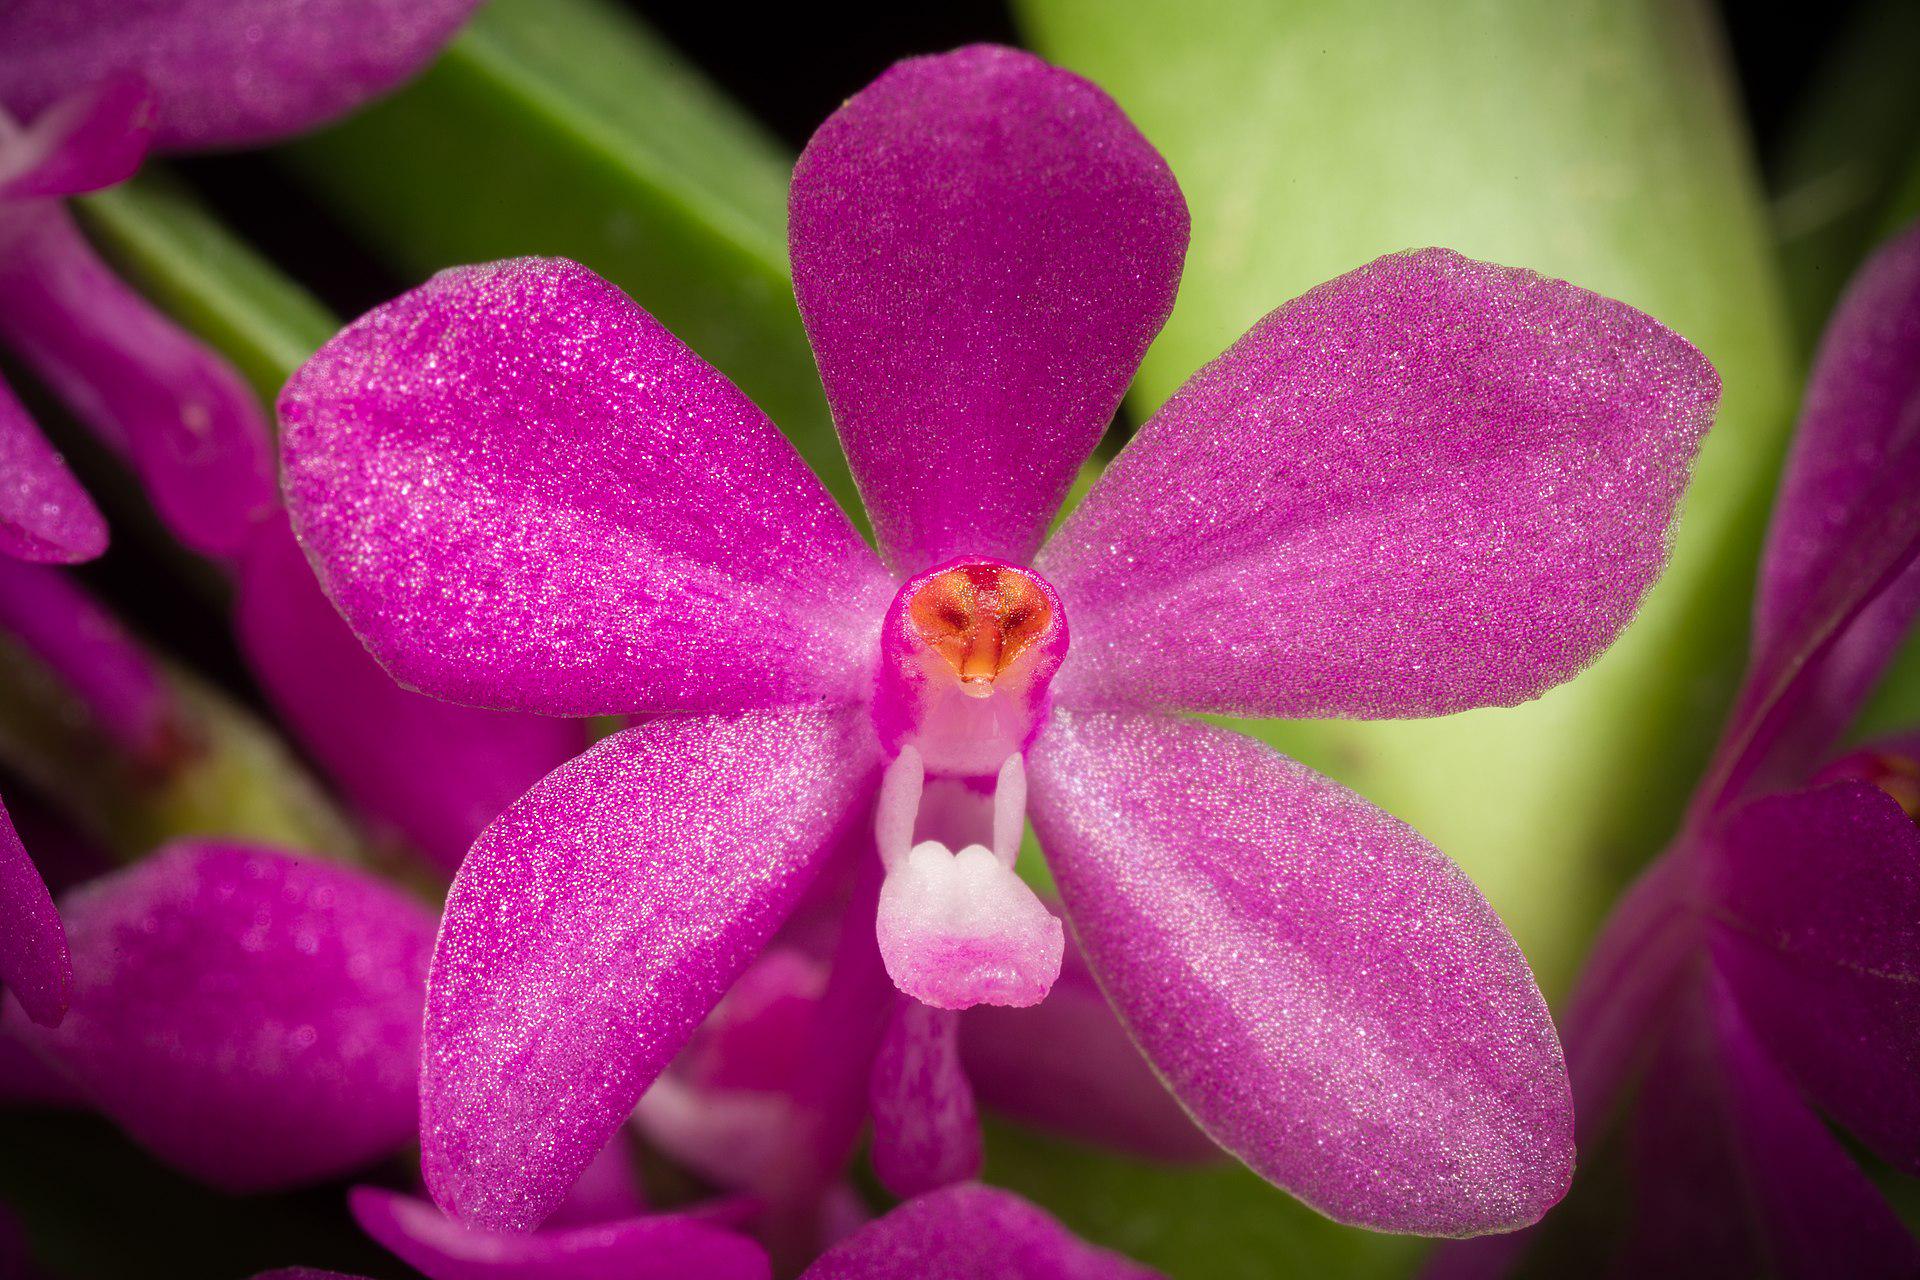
523	492
1817	930
435	772
115	682
1737	1178
179	414
1428	485
88	140
665	1247
34	964
224	72
983	246
45	516
970	1232
597	921
1330	997
249	1016
926	1132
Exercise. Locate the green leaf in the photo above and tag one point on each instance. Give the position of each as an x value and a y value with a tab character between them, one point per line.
563	127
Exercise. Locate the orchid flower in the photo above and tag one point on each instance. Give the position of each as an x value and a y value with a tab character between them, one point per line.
1759	979
1428	485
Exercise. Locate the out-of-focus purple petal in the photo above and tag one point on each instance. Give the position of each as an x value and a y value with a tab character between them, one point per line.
926	1132
1817	930
664	1247
597	921
179	414
1066	1064
34	964
1735	1177
523	492
609	1189
91	139
25	1079
224	72
249	1016
1428	485
306	1273
45	516
1329	996
983	247
92	656
436	772
970	1232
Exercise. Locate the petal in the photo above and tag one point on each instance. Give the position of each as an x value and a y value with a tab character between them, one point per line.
1428	485
1818	933
596	922
181	416
224	72
92	657
961	929
1331	999
45	516
1066	1064
306	1273
970	1232
1737	1178
608	1189
926	1133
436	772
34	964
523	492
248	1016
983	247
665	1247
91	139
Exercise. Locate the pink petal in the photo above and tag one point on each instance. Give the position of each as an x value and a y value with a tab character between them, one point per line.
1066	1064
91	139
34	964
970	1232
224	72
926	1133
249	1016
1817	930
523	492
1428	485
1839	585
436	772
1332	1000
305	1273
665	1247
86	650
596	922
609	1188
1736	1178
181	416
983	247
45	516
26	1080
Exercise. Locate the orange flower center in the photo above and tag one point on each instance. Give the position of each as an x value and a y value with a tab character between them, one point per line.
979	618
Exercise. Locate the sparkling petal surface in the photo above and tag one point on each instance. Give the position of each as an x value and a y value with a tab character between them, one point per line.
1737	1178
45	516
224	72
1817	930
665	1247
1067	1065
523	492
179	414
983	246
249	1016
34	964
435	772
597	921
970	1232
1428	485
1329	996
91	656
88	140
926	1133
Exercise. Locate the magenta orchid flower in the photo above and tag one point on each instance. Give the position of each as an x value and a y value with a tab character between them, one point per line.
1428	485
1760	978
